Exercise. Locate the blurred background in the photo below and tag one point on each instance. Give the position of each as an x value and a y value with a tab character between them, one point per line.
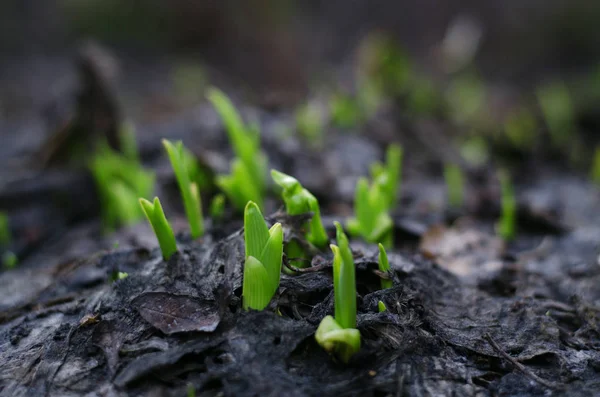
481	83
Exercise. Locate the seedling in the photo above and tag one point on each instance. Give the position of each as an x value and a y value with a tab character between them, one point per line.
596	167
339	335
128	141
5	235
381	306
298	201
9	260
247	181
345	111
238	186
454	185
390	174
371	220
120	181
310	122
557	107
164	234
217	207
475	151
384	267
466	96
264	251
115	276
507	224
520	128
384	65
188	189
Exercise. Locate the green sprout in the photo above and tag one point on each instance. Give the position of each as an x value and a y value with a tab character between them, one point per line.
557	107
191	390
310	123
466	97
372	202
475	151
384	267
454	184
217	207
120	181
381	306
507	224
9	260
5	235
164	234
264	251
520	128
339	335
247	181
298	201
345	111
423	98
390	173
128	141
596	167
371	220
188	189
384	68
115	276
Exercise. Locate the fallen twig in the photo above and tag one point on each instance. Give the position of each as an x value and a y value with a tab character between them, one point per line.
521	367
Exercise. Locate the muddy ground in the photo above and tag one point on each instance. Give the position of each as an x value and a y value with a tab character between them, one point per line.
469	314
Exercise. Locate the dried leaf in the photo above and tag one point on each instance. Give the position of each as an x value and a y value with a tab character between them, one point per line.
177	313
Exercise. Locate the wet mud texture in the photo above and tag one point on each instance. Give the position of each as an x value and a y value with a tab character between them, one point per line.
513	330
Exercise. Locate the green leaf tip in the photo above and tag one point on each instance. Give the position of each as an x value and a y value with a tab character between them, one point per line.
454	185
371	204
217	207
384	266
164	234
507	224
120	180
299	200
189	190
333	338
264	251
247	180
381	306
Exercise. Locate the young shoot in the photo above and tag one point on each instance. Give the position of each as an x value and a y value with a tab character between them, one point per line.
381	306
390	173
217	207
310	120
247	181
164	234
596	167
521	128
507	225
128	141
345	111
120	180
5	235
9	260
338	335
371	219
264	251
298	201
557	107
189	190
384	267
454	185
